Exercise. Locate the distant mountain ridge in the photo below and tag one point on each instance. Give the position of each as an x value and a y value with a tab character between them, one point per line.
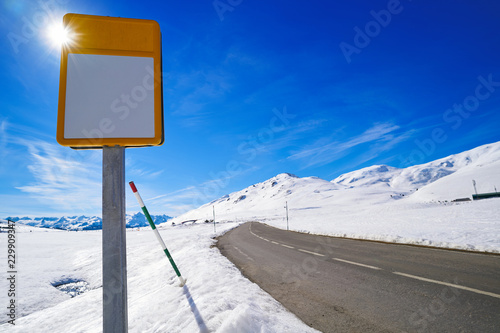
86	222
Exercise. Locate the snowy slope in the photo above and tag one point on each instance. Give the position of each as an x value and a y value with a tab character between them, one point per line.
481	164
380	202
265	195
372	175
85	222
267	199
216	298
451	177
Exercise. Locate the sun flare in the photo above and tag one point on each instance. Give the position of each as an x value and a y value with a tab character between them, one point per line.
59	35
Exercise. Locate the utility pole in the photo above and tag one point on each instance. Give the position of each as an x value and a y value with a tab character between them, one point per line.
474	183
286	206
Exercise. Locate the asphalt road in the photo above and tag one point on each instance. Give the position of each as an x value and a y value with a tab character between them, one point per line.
342	285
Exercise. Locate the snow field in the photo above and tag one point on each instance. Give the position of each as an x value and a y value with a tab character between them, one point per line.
216	298
473	226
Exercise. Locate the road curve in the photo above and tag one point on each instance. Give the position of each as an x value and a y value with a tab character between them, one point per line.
341	285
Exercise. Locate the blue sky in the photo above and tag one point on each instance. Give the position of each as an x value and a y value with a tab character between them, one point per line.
253	89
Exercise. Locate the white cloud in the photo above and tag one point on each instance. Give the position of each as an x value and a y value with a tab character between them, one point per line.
64	179
172	203
325	151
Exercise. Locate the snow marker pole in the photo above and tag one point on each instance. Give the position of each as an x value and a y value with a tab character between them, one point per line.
213	207
286	206
157	234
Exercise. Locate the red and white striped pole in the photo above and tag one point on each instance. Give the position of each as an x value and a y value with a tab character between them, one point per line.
157	234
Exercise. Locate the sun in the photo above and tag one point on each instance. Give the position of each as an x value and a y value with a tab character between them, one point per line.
58	35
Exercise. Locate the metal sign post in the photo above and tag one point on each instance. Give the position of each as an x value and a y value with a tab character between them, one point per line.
110	97
114	250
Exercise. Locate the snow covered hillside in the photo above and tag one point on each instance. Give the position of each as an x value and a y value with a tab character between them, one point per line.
451	177
85	222
411	205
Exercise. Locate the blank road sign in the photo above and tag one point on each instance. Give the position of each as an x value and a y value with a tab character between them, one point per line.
110	90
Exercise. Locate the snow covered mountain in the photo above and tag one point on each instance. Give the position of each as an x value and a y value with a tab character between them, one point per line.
85	222
372	175
444	179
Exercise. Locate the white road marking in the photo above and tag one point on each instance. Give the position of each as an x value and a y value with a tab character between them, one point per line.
316	254
477	291
244	254
257	235
356	263
267	240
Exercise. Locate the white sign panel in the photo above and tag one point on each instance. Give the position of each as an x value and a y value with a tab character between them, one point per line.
109	97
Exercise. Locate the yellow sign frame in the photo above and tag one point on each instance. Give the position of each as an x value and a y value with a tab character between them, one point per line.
111	36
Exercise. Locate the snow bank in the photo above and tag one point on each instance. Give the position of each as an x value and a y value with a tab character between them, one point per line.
216	298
